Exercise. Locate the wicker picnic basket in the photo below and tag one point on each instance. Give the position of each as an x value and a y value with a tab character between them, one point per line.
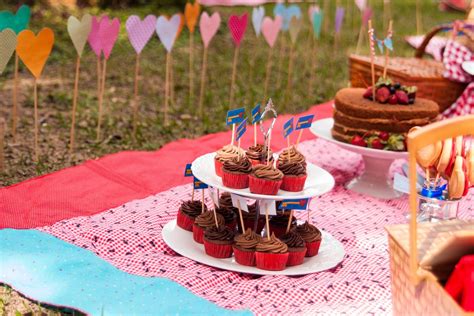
422	255
426	74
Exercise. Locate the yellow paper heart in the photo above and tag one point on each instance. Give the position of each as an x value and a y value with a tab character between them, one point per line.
7	47
191	13
35	50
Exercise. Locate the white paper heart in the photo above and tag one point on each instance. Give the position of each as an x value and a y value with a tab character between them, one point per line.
7	47
257	17
167	30
361	4
79	31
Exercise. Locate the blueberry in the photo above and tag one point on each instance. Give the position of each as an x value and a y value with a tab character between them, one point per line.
411	101
392	90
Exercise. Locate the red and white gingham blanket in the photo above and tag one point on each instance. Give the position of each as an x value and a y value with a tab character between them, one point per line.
129	237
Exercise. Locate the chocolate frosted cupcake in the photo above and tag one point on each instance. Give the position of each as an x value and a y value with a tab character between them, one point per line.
291	154
265	180
218	242
244	247
203	222
294	175
187	212
230	218
226	153
225	201
312	237
279	223
296	248
235	173
272	254
258	155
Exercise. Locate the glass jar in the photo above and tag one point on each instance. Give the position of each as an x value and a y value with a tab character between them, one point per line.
435	209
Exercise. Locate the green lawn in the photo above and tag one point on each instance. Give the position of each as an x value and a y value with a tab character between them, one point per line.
56	87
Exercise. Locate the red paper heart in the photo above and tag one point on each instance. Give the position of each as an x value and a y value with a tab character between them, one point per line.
238	26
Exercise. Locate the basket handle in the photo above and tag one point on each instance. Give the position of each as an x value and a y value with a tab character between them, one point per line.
416	140
420	51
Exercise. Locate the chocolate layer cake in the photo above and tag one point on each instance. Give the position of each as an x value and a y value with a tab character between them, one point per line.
356	115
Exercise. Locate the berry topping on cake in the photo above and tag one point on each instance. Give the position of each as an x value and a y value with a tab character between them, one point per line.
391	93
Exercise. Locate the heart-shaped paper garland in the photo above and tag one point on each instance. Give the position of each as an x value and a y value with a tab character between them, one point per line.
257	18
311	10
238	26
8	43
208	25
287	13
338	19
167	30
295	27
139	32
361	4
94	37
79	31
108	34
191	15
35	50
17	22
271	28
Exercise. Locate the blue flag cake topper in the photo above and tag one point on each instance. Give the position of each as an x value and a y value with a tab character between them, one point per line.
187	171
301	204
256	114
235	116
241	129
288	128
198	184
304	122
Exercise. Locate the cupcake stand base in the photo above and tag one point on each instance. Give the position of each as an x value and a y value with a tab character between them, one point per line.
374	181
181	241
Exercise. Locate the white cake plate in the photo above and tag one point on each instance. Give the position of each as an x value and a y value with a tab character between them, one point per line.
318	181
331	253
374	180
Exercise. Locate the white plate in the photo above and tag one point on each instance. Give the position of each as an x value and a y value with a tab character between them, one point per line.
468	67
331	253
318	181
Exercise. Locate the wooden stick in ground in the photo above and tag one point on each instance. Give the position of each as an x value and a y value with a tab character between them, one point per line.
241	217
372	52
167	88
99	76
2	144
280	59
74	107
267	222
387	51
313	65
289	83
101	98
289	222
202	201
267	73
203	81
135	96
171	82
35	97
15	99
234	72
191	61
326	13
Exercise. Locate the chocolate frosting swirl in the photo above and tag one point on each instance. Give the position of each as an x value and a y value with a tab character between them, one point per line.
227	213
308	232
291	154
272	245
292	168
259	153
267	172
225	201
207	219
192	208
293	240
229	151
222	233
247	240
237	165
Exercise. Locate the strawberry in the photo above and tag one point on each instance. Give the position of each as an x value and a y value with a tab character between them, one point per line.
358	141
382	94
402	97
376	143
368	93
393	99
384	136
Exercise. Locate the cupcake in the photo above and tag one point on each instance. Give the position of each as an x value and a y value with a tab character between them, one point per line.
218	242
291	154
235	173
279	223
265	180
272	254
249	219
203	222
230	219
296	248
258	155
225	201
187	212
225	153
294	175
244	247
312	237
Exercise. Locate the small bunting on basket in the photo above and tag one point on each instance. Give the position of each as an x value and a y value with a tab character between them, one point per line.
300	205
235	116
288	128
304	122
198	184
187	171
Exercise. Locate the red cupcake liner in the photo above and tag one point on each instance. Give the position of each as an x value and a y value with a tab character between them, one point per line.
293	184
198	234
184	221
263	186
218	166
217	250
235	180
312	248
295	257
245	258
271	261
249	223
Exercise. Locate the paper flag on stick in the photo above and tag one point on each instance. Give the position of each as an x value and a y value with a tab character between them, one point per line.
317	22
267	205
241	129
287	13
8	43
257	18
270	29
208	26
256	114
187	171
235	116
301	204
304	122
239	202
35	50
108	34
238	26
94	37
79	31
361	4
167	30
288	128
198	184
338	19
191	14
17	22
295	27
139	32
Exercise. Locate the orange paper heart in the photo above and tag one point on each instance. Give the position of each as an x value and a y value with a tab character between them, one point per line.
35	50
191	13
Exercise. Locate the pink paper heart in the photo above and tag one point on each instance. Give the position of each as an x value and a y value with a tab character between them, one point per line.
168	29
108	34
94	38
208	25
271	28
139	32
238	26
311	10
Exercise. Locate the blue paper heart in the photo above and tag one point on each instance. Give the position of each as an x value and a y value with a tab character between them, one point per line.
287	13
17	22
317	21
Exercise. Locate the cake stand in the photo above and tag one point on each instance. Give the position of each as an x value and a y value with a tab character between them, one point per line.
374	181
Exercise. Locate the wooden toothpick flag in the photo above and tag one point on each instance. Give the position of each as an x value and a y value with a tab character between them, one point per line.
270	30
241	204
372	56
303	123
287	130
208	25
79	32
256	117
198	184
237	26
299	205
34	50
234	116
191	14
